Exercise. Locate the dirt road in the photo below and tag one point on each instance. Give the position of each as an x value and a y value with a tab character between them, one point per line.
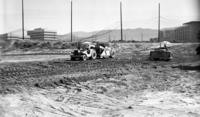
128	85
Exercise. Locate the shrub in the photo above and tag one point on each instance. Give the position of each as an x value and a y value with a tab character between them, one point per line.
57	45
46	45
138	45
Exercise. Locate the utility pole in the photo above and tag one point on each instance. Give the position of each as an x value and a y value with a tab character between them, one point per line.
121	20
109	38
95	38
71	20
22	19
159	23
142	37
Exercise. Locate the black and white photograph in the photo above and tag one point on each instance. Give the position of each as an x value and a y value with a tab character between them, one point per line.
99	58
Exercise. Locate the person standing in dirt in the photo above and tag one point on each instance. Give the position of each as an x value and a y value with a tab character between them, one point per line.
165	46
99	49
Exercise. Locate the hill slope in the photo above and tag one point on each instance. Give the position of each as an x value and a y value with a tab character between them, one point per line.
137	34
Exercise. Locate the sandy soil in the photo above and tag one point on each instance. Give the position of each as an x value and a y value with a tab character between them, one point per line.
127	86
29	58
34	55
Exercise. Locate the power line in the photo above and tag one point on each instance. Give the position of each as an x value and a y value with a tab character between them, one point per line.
100	33
97	35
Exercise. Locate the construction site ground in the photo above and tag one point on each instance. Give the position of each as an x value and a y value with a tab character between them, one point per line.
128	85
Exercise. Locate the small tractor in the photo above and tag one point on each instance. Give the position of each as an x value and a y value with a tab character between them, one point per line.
89	50
161	53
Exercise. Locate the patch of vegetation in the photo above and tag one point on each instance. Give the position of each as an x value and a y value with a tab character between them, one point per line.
138	45
27	44
124	41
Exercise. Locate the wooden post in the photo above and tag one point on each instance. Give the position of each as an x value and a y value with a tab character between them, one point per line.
121	21
71	21
159	22
22	19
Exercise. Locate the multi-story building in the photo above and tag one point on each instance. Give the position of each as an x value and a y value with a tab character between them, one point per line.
41	34
167	35
188	32
4	36
10	36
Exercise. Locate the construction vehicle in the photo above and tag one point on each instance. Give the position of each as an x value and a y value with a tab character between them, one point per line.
84	51
161	53
89	50
104	50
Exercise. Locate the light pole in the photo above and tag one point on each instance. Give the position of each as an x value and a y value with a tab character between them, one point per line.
22	19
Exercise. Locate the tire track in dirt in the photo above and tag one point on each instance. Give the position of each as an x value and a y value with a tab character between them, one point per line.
31	73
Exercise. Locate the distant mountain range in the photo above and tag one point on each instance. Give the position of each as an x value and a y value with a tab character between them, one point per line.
138	34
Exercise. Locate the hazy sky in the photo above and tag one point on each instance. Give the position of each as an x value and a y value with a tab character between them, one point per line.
92	15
